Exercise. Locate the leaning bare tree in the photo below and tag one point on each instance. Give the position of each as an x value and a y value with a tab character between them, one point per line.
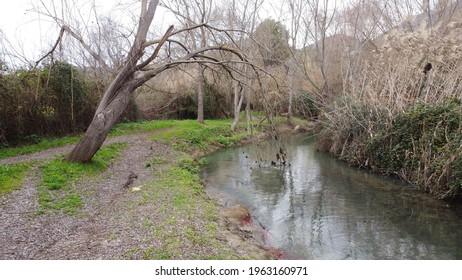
138	67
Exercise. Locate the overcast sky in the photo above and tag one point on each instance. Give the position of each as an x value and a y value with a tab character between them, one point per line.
17	23
32	34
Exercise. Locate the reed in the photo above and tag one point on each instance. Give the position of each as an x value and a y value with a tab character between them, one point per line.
397	116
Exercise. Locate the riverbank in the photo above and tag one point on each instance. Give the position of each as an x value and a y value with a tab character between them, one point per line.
321	208
420	144
141	198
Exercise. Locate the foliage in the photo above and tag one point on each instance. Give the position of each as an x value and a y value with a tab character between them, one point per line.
273	37
422	145
183	105
52	100
400	116
306	105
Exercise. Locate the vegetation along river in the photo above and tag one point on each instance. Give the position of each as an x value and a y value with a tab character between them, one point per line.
320	208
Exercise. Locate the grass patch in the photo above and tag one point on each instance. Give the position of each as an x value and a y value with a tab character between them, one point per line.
155	160
190	227
213	132
57	190
188	135
11	177
140	127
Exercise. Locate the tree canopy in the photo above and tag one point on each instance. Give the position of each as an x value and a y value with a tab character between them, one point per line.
273	38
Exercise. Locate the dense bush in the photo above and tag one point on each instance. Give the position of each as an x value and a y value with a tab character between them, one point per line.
53	100
162	105
422	145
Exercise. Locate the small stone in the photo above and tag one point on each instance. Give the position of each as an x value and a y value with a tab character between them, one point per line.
136	189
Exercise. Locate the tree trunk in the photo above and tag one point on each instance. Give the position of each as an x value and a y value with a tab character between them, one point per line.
200	86
100	127
119	92
291	92
200	95
237	104
248	115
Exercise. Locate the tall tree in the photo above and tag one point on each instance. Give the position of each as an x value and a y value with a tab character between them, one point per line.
273	38
296	8
138	67
242	18
193	13
319	31
120	91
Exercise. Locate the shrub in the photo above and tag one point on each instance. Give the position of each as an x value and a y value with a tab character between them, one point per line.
423	146
49	101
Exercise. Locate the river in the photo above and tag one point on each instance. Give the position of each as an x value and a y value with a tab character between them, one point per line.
321	208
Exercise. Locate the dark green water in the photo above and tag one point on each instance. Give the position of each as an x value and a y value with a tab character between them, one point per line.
320	208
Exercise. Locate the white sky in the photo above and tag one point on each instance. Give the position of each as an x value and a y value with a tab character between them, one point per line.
31	33
16	22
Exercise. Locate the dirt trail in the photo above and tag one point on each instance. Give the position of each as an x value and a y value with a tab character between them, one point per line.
49	153
106	228
24	235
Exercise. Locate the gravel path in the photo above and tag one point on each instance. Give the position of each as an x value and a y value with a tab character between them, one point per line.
24	235
110	223
49	153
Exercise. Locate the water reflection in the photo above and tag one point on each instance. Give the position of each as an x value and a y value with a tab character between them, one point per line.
319	208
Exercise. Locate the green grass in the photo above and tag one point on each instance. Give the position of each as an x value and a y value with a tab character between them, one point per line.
11	177
56	190
182	221
140	127
187	135
191	225
154	161
213	132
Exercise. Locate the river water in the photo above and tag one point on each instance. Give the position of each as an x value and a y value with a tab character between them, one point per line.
320	208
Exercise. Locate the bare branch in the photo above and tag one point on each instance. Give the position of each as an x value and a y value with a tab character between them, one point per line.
60	37
95	55
157	50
